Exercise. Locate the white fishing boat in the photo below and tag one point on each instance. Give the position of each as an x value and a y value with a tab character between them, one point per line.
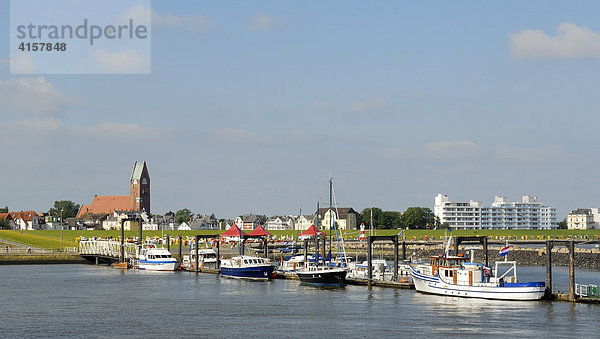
152	258
456	276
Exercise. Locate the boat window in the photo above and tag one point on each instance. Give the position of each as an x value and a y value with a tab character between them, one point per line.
245	261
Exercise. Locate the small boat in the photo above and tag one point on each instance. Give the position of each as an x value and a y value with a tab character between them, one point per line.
291	264
152	258
323	275
247	267
456	276
207	258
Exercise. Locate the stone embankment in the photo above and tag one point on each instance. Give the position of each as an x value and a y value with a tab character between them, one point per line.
40	259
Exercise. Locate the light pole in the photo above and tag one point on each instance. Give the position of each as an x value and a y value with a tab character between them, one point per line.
61	230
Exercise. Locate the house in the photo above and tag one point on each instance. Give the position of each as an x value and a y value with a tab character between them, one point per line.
226	224
113	222
280	223
346	220
27	220
203	222
184	227
303	222
247	221
582	219
93	221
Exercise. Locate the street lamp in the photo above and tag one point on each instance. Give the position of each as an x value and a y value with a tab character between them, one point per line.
61	230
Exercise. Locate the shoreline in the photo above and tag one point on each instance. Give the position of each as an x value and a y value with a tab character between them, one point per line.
41	259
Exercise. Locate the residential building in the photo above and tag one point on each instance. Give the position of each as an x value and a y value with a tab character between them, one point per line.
9	219
344	217
27	220
247	222
528	213
280	223
582	219
303	222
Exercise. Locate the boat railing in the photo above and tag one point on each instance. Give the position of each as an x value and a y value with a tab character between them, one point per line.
588	291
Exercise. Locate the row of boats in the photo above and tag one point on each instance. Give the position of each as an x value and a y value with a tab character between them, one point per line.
444	274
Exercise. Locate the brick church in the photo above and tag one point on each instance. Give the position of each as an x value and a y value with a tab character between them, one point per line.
137	200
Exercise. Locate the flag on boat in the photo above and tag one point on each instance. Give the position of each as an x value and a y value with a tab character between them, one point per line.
504	251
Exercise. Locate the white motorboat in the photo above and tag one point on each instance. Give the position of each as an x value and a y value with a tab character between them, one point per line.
152	258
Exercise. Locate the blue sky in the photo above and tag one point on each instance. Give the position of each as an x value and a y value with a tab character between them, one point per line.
251	105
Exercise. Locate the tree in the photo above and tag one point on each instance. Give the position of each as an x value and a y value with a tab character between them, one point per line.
262	219
4	225
4	210
183	215
418	218
562	224
381	219
69	209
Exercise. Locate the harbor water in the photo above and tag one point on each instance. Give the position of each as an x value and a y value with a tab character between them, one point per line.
99	301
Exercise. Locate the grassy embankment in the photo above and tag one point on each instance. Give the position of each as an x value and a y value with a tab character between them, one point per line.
51	239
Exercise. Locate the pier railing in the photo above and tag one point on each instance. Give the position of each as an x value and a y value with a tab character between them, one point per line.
106	248
589	291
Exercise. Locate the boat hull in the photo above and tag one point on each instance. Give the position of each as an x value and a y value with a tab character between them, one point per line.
254	272
157	266
516	291
334	277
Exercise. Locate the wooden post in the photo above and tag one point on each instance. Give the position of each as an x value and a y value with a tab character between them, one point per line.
317	241
571	270
218	254
369	261
548	269
197	241
180	243
266	249
403	249
168	243
122	259
485	250
305	248
396	258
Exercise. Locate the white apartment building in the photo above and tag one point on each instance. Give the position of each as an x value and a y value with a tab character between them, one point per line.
583	219
529	213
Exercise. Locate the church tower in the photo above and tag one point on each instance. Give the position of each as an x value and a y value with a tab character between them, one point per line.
139	192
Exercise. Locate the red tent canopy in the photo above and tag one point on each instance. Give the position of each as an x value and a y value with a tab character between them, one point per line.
233	231
260	231
312	231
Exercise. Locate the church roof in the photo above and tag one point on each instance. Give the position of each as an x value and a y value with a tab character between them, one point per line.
138	168
106	204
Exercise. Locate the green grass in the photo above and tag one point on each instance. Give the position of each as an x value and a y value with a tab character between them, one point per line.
51	239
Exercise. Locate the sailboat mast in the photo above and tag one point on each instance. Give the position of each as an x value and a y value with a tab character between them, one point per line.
330	209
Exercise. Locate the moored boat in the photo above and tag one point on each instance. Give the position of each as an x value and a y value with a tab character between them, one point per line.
456	276
322	275
247	267
152	258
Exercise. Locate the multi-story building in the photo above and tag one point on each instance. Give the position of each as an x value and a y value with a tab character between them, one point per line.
346	220
583	219
528	213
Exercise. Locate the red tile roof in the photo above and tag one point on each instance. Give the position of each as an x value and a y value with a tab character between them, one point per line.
26	216
5	216
106	204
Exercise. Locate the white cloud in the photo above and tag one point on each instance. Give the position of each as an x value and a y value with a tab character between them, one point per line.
32	95
570	42
356	106
235	135
531	154
110	130
145	15
321	104
375	103
452	149
260	22
126	61
23	64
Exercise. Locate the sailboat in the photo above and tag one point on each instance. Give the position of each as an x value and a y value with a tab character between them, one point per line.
324	275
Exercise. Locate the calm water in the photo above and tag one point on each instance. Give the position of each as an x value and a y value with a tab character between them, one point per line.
92	301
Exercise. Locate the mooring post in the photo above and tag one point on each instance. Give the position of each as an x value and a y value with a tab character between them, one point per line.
122	259
324	246
180	243
266	249
168	243
197	241
403	249
218	254
317	241
304	247
485	250
571	270
396	258
369	261
140	225
548	269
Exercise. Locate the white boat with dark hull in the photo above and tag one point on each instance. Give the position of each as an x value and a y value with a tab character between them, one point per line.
456	276
152	258
322	275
